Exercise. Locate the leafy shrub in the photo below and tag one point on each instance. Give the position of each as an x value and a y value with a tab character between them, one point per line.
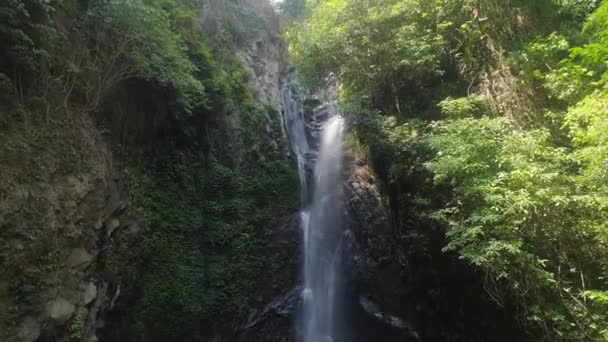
512	172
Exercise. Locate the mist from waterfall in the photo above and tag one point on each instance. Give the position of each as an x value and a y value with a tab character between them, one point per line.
318	147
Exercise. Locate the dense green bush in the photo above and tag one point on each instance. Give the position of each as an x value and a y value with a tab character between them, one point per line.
208	221
69	55
494	134
144	38
519	213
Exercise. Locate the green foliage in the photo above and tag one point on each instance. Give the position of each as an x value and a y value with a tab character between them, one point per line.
540	56
72	57
519	214
578	9
150	45
207	225
593	54
380	48
460	108
588	127
25	31
293	8
508	157
75	325
169	203
567	72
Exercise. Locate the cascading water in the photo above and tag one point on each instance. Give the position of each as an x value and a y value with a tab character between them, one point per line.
294	119
322	235
320	214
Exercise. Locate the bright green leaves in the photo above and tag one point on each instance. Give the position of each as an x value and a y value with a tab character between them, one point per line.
568	72
543	53
460	108
145	36
371	47
519	213
594	55
467	147
588	126
515	166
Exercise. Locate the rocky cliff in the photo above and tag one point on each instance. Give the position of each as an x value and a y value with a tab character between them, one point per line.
75	210
63	204
375	298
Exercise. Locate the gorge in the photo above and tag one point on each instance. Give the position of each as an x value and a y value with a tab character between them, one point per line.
303	170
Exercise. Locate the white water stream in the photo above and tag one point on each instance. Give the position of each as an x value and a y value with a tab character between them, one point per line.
320	214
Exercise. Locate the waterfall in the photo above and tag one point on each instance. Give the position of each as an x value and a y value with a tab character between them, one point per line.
317	142
322	236
294	119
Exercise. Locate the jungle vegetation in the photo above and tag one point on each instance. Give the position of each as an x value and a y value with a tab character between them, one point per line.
487	123
171	99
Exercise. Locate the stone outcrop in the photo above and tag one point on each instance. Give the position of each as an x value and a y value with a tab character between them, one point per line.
68	235
373	269
58	222
258	45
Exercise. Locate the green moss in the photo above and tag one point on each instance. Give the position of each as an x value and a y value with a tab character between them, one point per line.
206	194
75	325
208	212
205	237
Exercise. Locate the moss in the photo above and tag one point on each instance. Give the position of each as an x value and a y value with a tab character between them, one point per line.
206	231
207	188
75	325
208	212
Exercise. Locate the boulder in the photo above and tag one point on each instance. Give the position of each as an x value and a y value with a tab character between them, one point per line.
89	293
60	309
79	257
29	330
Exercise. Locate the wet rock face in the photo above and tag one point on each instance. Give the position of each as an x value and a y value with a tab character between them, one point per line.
262	49
373	280
375	297
368	225
263	59
264	56
255	27
273	319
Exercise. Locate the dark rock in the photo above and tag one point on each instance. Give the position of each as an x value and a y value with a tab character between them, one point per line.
371	268
60	310
273	319
79	257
